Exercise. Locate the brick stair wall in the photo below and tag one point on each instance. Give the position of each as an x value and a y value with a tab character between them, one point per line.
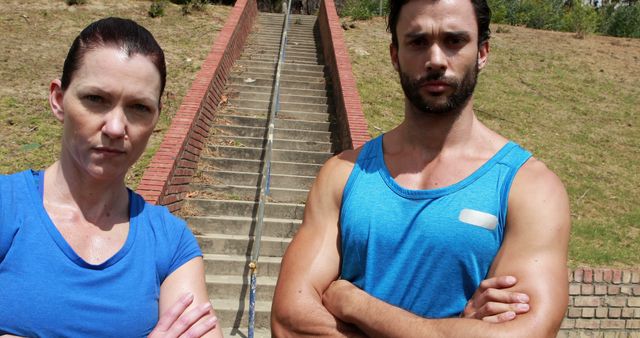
352	126
166	179
603	303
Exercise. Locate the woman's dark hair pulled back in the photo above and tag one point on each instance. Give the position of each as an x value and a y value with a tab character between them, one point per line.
120	33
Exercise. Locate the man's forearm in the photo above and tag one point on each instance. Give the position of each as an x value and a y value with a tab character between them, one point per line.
311	319
379	319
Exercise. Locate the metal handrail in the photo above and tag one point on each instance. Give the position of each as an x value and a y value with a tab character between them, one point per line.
266	175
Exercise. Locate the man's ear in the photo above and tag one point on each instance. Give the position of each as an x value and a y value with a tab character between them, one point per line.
56	95
483	54
393	51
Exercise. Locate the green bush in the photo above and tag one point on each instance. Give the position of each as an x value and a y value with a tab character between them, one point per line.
623	21
363	9
157	8
580	18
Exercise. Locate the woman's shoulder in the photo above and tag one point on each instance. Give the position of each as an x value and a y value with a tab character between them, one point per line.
15	184
156	215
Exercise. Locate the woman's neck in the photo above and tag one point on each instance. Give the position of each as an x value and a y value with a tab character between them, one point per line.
95	199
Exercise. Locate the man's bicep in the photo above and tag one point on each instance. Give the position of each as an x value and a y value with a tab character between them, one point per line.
312	260
535	246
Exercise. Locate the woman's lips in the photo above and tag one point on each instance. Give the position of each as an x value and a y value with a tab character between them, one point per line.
107	151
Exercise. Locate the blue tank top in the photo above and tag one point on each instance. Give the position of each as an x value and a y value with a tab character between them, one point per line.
425	251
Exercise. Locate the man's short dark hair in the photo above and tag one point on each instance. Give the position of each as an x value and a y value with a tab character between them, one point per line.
480	7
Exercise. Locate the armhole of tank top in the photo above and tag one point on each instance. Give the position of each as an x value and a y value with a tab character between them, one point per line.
515	162
355	173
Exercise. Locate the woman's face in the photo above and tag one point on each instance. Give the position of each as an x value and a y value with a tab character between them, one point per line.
109	111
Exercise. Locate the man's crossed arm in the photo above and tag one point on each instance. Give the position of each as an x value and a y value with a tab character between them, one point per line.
534	251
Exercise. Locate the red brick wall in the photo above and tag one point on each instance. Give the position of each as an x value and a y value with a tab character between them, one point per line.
166	179
603	303
352	126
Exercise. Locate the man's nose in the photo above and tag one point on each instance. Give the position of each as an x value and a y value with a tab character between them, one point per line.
436	59
115	123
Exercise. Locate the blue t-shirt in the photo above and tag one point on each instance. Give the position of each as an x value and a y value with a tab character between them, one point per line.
425	251
47	290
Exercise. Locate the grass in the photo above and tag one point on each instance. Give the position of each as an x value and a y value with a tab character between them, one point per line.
34	41
573	102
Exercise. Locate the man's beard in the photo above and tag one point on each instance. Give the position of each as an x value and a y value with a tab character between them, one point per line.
462	91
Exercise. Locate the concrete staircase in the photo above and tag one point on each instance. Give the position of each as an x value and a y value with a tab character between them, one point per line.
222	204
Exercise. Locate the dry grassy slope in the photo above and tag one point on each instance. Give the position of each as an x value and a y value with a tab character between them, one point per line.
35	38
575	103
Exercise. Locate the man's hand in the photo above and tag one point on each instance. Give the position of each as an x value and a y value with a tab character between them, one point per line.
176	323
336	298
492	303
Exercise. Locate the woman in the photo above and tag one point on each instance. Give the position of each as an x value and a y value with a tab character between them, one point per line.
80	254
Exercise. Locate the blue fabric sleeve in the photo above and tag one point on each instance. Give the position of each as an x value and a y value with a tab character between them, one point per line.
8	224
186	250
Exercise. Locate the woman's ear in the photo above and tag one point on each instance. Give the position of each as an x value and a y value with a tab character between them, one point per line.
56	95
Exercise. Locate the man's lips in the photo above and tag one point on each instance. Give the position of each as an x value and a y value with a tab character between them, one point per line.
436	86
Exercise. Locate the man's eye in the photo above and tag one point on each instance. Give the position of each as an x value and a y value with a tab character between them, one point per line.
455	41
94	98
418	42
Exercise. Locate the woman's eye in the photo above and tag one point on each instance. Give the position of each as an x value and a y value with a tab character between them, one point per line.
141	108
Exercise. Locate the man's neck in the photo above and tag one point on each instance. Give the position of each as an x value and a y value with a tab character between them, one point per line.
433	133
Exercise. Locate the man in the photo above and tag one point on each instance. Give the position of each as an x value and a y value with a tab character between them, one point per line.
414	220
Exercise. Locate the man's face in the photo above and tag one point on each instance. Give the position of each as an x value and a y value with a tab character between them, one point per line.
437	56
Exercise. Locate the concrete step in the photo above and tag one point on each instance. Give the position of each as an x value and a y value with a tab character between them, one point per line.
281	114
284	83
245	192
244	209
243	332
274	50
254	166
288	66
280	133
287	75
241	245
235	88
235	313
239	265
249	121
220	286
236	178
242	225
284	98
287	106
255	142
288	59
282	155
259	69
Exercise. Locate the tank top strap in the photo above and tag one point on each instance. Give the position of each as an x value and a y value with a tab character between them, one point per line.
515	157
366	163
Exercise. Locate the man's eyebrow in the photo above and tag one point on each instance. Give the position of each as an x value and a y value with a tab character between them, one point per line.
457	34
415	35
